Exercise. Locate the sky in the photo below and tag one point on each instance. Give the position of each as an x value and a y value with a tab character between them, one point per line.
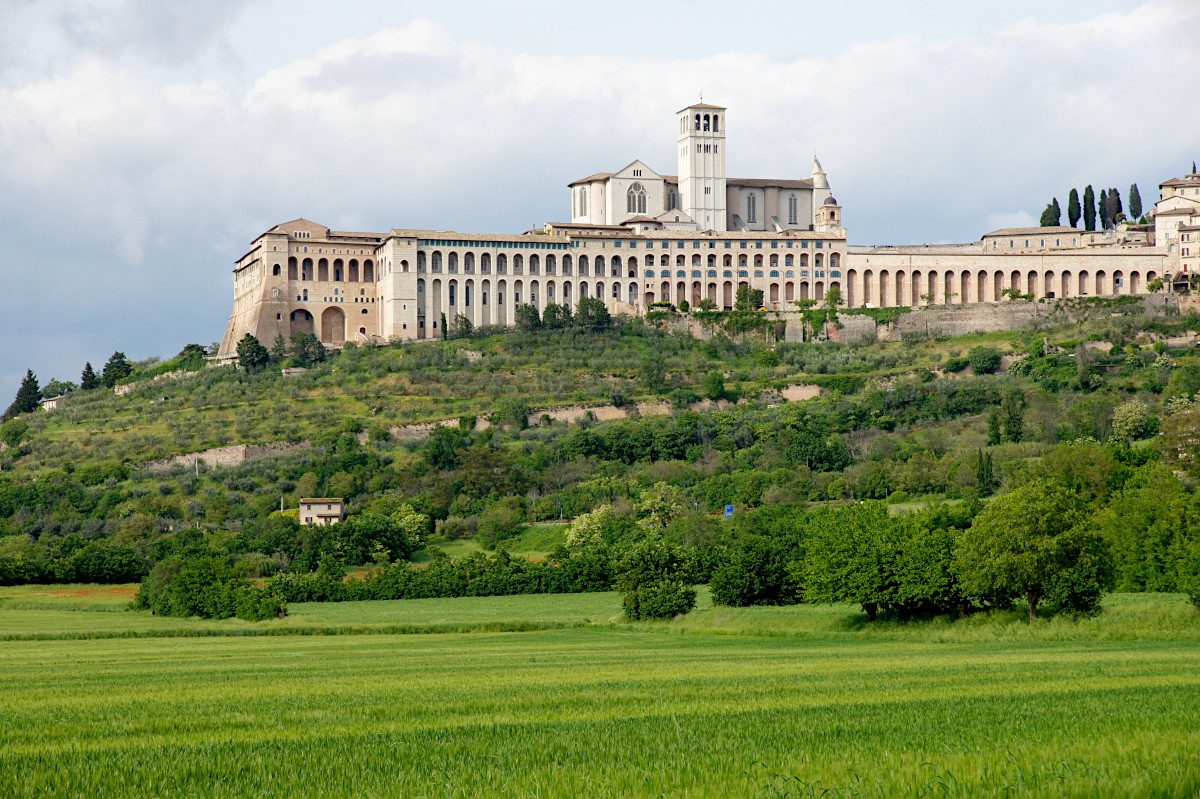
144	144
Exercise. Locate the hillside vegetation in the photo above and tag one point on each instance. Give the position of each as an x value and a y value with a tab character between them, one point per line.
1100	410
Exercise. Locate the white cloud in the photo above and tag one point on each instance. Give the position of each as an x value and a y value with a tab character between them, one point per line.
137	188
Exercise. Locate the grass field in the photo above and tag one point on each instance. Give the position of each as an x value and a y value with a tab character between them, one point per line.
770	702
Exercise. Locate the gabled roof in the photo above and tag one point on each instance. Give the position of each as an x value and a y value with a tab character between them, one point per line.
591	178
702	105
1030	231
1188	180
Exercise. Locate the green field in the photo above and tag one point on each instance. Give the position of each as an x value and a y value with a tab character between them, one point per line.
796	701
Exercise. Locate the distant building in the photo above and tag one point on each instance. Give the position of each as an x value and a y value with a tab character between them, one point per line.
51	403
322	511
638	237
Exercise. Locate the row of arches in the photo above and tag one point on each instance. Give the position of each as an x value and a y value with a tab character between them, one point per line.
915	287
493	302
323	271
598	266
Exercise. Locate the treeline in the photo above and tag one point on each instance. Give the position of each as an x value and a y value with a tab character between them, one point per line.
1107	210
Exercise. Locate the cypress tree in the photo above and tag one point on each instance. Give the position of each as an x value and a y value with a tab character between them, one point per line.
1089	208
28	397
1115	197
1135	202
88	378
1102	209
1073	210
1057	212
1047	218
1111	207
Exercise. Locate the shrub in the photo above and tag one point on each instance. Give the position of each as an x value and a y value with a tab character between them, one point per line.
956	364
756	573
984	360
651	579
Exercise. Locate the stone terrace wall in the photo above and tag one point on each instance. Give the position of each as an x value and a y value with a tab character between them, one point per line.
232	455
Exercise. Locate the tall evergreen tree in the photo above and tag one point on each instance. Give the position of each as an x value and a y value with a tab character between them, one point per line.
1089	208
28	397
88	379
1047	219
1114	196
1057	212
1135	202
1073	210
252	355
279	350
1110	207
117	368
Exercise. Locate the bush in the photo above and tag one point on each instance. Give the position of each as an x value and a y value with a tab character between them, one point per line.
984	360
756	573
956	364
651	579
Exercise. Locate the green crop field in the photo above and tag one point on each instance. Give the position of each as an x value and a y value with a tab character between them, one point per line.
792	702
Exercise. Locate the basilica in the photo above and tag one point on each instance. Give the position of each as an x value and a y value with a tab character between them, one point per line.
637	238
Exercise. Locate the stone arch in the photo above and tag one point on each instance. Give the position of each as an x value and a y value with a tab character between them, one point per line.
339	269
868	277
850	299
293	269
301	322
789	292
323	270
452	262
1101	282
368	271
306	269
1031	283
1135	282
353	270
333	325
727	295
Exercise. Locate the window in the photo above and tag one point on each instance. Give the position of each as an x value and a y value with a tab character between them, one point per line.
637	173
793	210
671	201
751	208
635	199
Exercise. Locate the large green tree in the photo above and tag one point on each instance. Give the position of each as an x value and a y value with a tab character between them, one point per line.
1073	209
1089	208
29	394
88	379
755	573
1052	215
252	355
1135	202
117	369
1012	414
592	314
651	578
307	349
1031	544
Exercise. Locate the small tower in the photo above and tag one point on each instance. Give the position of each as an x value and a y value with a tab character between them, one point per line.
702	164
821	191
828	216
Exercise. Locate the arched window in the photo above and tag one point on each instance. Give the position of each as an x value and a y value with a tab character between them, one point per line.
697	122
706	122
695	273
751	208
649	273
671	202
275	270
716	123
787	260
712	272
635	199
793	210
665	273
680	273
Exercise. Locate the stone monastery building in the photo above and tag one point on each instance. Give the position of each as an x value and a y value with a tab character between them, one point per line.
637	237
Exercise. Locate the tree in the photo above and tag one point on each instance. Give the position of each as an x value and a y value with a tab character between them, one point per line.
1030	544
756	573
1089	208
28	397
651	578
279	348
461	327
984	360
118	368
88	379
527	318
501	520
833	297
1052	216
1135	202
511	412
1102	208
307	349
713	387
660	503
993	423
1073	210
1012	414
1129	420
747	299
1184	382
308	484
252	355
441	449
592	314
556	317
57	388
1110	207
985	477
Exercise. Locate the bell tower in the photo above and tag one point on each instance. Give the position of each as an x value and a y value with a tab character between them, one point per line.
702	164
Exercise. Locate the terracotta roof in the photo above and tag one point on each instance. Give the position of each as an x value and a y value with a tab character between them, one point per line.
326	500
702	105
591	178
642	218
1187	180
1030	231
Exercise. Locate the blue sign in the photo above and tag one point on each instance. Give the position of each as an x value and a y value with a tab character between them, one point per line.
728	511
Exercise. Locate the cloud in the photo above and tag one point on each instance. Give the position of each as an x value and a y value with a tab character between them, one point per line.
133	185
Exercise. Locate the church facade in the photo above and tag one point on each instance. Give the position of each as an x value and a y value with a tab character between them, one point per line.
638	237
